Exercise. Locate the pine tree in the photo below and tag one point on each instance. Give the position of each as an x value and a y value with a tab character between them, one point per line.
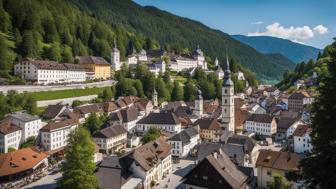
106	95
67	55
138	86
6	58
78	169
29	46
54	52
92	123
30	105
189	91
320	167
177	93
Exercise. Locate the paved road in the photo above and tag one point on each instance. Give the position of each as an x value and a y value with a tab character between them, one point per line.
179	171
47	182
44	103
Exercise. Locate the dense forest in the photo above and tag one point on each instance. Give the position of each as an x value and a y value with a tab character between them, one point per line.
60	30
304	70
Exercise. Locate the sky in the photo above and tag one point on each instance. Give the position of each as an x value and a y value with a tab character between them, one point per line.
311	22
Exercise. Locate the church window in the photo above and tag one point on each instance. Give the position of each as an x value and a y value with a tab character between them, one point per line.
225	91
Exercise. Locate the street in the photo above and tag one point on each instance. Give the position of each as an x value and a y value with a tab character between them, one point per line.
47	182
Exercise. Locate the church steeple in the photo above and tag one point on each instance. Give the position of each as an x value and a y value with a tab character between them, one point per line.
227	73
155	98
115	57
228	99
198	111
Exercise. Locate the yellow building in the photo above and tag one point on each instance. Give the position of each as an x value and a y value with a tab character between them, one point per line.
97	65
276	163
210	129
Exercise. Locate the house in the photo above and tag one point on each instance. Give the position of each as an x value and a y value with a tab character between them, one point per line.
240	75
29	124
47	72
111	139
286	126
297	100
98	65
241	150
22	163
217	171
144	106
83	112
183	142
132	140
54	135
262	124
150	162
10	135
209	129
302	140
272	163
110	107
219	72
127	118
112	173
53	111
166	121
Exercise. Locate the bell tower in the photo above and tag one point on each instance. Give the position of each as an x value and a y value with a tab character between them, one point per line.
115	57
228	100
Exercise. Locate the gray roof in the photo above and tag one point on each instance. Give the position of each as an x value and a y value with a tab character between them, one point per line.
52	111
206	149
244	141
160	118
184	136
128	115
22	116
109	132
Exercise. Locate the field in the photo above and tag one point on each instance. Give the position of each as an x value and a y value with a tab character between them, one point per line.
52	95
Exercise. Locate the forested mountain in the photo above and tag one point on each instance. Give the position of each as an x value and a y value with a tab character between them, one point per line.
294	51
61	29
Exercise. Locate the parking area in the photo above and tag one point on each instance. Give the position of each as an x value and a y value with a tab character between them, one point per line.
173	180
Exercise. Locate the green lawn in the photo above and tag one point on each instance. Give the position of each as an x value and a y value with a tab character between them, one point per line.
52	95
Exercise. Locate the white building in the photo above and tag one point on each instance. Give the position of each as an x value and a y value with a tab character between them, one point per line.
228	113
127	118
302	140
29	124
183	142
111	139
55	134
240	75
262	124
10	136
166	121
157	67
151	162
46	72
198	111
115	58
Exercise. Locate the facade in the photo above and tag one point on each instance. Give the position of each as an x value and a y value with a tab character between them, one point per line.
228	112
29	124
150	162
48	72
10	136
241	75
286	127
98	65
271	163
115	58
217	171
21	164
127	118
181	63
166	121
155	98
298	100
262	124
111	139
183	142
302	140
55	135
198	111
209	129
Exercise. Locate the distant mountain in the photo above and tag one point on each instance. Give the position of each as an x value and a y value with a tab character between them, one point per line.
294	51
175	32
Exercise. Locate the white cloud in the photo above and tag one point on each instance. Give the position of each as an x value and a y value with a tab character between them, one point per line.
292	33
257	23
320	29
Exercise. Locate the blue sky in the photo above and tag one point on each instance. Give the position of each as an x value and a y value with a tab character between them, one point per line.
312	22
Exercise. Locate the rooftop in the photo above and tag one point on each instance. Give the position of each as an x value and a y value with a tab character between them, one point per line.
278	160
24	117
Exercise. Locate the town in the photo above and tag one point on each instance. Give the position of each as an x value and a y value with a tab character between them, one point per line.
242	140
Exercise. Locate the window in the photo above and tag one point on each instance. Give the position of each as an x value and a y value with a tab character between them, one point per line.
269	172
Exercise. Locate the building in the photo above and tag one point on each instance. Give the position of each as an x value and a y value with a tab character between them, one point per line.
240	75
150	162
127	118
98	65
166	121
275	163
183	142
155	98
144	106
115	57
10	135
198	110
83	112
228	112
21	164
53	111
111	139
209	129
157	67
217	171
261	124
298	100
48	72
112	173
29	124
286	127
54	135
302	140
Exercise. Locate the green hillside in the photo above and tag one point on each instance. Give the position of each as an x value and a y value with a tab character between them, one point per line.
62	29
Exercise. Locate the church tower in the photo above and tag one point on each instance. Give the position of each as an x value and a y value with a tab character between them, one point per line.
155	98
228	100
115	57
199	104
